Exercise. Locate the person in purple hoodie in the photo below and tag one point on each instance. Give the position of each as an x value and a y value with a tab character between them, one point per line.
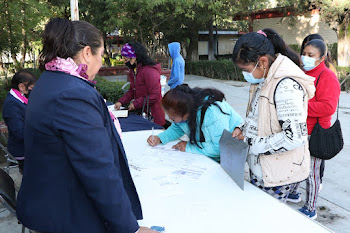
144	78
177	75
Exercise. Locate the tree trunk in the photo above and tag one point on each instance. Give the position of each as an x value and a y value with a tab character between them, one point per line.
24	49
192	51
2	68
24	35
106	54
344	42
211	41
343	51
154	41
10	39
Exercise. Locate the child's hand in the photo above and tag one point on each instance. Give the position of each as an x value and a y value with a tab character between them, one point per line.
237	133
181	146
153	140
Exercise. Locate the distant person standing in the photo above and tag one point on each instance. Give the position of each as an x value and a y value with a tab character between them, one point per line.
177	75
144	78
320	109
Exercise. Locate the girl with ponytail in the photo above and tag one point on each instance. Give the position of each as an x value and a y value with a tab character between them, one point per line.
75	160
201	114
275	127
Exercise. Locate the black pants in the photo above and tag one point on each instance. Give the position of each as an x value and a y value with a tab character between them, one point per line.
322	169
20	165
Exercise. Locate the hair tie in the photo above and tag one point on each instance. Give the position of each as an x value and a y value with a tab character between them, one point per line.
262	33
184	88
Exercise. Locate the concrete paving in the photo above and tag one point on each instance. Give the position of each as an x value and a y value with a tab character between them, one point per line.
334	200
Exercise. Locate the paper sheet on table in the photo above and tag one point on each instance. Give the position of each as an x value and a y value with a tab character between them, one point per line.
233	155
118	113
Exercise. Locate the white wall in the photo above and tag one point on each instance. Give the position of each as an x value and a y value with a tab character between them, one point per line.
295	33
202	47
226	44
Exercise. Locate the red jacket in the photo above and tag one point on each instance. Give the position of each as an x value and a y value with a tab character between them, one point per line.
324	103
146	82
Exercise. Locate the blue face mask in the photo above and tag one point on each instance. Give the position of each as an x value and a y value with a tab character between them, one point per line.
308	62
249	77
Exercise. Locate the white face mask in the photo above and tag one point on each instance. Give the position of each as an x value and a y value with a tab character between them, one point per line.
308	62
249	77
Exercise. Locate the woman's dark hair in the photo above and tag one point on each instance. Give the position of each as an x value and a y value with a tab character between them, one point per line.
64	38
142	54
311	37
320	45
183	99
251	46
24	76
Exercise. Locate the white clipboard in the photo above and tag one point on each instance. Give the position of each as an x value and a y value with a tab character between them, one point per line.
118	113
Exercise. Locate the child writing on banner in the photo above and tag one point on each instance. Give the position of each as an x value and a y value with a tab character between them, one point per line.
201	114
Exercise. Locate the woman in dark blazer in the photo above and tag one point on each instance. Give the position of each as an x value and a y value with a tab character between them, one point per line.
76	177
14	109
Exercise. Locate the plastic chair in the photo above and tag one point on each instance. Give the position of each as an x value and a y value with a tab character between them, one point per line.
125	86
11	161
8	194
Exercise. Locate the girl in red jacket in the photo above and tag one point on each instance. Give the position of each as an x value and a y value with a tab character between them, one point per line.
144	78
320	108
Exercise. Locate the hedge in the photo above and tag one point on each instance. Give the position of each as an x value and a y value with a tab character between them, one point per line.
344	72
114	62
111	91
220	69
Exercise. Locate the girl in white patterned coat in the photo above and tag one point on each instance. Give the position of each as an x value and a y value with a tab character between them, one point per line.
275	127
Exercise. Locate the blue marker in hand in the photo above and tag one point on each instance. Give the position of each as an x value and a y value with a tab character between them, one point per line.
158	228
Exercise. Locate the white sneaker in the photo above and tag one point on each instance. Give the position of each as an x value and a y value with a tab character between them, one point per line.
320	188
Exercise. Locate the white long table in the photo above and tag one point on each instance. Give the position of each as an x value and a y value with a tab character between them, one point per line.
190	193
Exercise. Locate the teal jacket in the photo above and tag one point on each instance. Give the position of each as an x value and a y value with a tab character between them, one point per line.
214	124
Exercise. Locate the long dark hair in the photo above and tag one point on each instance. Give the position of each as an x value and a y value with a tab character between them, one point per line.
142	54
184	100
251	46
64	38
311	37
23	76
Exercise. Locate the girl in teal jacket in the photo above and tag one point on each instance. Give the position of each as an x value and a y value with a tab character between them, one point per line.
201	114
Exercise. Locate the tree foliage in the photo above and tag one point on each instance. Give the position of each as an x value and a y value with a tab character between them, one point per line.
336	13
20	26
158	22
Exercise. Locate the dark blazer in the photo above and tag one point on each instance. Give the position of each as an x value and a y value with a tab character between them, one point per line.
76	177
13	114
